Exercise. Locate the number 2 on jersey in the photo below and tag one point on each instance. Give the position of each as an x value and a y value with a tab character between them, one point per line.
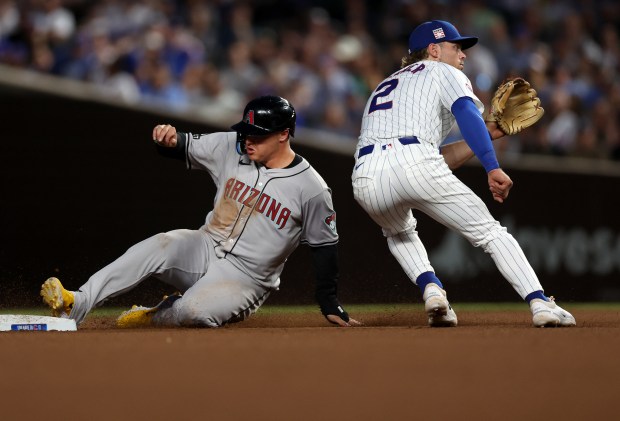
388	86
382	90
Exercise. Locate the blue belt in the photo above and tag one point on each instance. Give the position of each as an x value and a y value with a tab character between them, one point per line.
403	140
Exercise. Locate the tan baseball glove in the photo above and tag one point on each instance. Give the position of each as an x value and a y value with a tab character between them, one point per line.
515	106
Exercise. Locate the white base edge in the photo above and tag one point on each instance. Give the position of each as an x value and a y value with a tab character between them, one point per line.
34	323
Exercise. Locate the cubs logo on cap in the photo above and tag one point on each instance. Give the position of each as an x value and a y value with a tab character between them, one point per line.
437	31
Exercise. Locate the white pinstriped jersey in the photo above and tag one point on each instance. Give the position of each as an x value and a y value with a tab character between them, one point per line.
394	111
398	173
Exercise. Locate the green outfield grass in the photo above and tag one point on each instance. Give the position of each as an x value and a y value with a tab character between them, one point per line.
355	308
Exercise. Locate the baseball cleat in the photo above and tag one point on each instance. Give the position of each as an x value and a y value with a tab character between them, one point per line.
437	307
446	320
549	314
137	316
140	316
57	297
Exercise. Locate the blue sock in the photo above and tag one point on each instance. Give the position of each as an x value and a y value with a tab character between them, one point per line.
427	278
536	294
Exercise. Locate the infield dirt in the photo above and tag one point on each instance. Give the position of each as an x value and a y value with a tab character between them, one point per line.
494	366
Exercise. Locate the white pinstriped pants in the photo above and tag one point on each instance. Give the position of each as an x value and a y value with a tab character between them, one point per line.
388	184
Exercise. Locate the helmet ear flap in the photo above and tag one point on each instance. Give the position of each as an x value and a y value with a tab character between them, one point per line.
241	144
292	122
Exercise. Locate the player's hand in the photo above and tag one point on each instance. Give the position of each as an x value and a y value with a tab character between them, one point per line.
338	321
494	130
165	135
499	184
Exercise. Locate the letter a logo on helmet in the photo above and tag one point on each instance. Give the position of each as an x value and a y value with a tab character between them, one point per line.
265	115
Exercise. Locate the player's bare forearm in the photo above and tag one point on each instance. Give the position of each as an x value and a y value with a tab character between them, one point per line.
457	153
165	135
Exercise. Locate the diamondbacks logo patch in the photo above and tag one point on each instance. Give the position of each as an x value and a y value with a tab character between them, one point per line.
330	221
249	117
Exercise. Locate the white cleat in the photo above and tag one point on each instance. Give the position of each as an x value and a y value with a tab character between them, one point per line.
437	307
549	314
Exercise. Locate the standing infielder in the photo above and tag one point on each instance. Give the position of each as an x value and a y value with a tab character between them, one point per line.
268	201
399	166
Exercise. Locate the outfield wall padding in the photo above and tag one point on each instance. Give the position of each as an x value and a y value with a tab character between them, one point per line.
81	183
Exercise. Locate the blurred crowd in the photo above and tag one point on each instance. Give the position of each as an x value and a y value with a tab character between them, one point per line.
327	56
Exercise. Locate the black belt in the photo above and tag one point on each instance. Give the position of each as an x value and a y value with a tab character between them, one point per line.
403	140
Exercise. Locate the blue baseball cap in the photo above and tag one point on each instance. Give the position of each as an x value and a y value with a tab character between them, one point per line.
437	31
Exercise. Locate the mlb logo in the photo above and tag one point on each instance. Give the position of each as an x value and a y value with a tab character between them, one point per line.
438	33
386	146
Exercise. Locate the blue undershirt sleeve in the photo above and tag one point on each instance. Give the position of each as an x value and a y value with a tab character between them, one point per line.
475	132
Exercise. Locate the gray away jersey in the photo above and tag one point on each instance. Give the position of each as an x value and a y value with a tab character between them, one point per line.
261	215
